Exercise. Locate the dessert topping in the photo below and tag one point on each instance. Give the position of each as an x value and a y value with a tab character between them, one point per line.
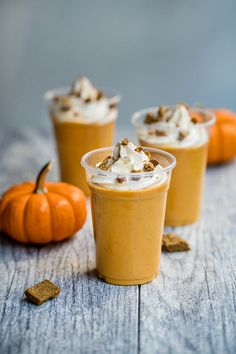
63	101
131	168
83	88
120	179
151	118
172	126
99	95
154	162
65	108
113	105
160	133
178	115
148	166
194	120
127	158
83	98
116	152
106	163
125	141
182	135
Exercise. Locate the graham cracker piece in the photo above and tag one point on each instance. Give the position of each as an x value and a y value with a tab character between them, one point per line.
173	243
42	292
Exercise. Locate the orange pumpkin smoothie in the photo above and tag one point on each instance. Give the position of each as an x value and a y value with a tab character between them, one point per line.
73	141
187	139
128	210
83	119
185	194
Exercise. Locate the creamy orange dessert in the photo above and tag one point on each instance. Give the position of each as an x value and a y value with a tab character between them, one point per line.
84	119
182	132
128	187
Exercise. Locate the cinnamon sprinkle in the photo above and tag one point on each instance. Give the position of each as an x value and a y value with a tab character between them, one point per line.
120	179
148	166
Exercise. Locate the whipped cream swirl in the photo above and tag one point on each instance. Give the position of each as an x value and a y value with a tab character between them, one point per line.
128	165
172	126
83	103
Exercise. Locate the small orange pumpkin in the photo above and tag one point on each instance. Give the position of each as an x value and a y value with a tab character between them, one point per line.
42	212
222	144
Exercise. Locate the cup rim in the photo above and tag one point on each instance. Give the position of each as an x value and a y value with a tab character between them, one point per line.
138	123
96	170
114	98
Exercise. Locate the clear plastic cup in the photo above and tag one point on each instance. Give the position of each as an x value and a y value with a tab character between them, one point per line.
128	224
75	138
185	194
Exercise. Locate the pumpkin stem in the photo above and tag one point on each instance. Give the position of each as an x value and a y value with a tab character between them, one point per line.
39	185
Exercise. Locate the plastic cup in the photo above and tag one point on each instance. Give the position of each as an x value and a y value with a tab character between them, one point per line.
128	224
185	194
75	138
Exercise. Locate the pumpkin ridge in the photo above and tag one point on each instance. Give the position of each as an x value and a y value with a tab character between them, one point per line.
26	206
12	196
72	204
49	209
50	201
24	216
8	205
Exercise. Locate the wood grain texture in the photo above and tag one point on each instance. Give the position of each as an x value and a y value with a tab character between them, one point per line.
89	316
189	308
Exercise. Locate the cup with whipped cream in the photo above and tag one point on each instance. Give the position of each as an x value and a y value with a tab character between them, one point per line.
183	132
83	118
129	186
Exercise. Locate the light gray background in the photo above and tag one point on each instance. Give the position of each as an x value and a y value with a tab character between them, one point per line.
151	51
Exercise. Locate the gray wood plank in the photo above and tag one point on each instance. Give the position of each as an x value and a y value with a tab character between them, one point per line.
89	316
191	307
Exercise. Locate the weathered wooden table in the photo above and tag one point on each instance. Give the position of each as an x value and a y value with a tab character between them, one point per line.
189	308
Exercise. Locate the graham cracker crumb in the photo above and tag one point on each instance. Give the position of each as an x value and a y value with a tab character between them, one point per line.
150	118
139	149
120	179
124	142
148	166
194	120
65	108
113	105
116	153
42	292
99	95
154	162
148	154
160	133
106	163
173	243
161	111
